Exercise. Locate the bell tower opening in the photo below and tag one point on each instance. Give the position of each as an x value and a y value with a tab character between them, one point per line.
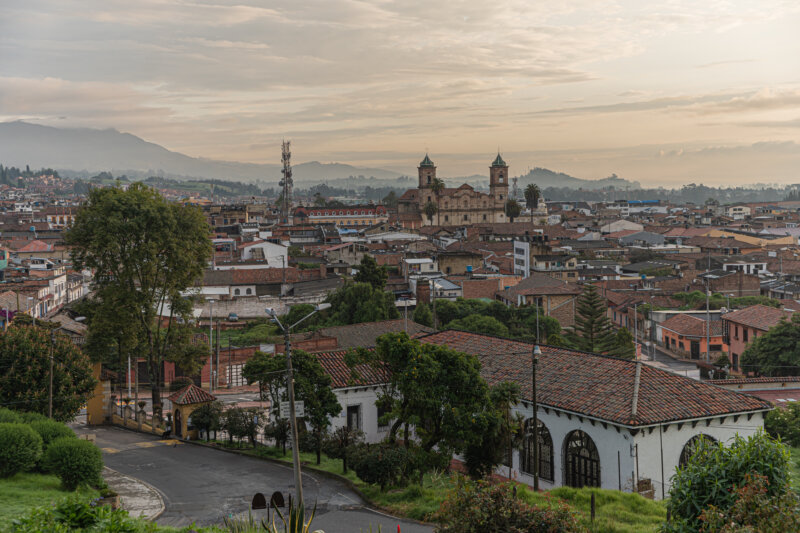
427	172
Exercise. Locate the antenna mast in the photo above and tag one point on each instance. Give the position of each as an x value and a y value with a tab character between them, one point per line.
286	182
514	190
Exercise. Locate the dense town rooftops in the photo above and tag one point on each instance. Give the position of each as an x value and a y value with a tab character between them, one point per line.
690	326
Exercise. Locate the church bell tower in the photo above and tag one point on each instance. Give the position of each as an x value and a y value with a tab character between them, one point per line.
498	179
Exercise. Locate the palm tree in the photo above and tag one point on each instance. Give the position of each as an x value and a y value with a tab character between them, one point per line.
532	195
437	186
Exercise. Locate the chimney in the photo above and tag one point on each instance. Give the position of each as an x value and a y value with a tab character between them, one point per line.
323	270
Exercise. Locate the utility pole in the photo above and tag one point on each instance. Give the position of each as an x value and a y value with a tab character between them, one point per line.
216	376
210	344
708	326
50	393
298	482
286	182
635	331
534	363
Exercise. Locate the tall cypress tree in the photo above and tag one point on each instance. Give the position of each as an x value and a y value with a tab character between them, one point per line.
593	331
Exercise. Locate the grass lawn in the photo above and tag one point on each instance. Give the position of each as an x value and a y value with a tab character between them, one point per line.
794	467
615	512
24	491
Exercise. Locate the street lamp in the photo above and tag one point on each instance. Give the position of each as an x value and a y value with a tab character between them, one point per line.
534	363
210	343
298	481
52	349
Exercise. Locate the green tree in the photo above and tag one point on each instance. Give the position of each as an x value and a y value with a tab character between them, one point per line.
784	424
497	439
369	271
776	352
390	200
312	386
146	252
486	325
715	470
512	209
360	302
623	345
532	195
24	381
437	186
423	315
593	331
208	417
437	390
430	209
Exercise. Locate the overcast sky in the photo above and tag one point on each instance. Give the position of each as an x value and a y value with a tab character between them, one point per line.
664	92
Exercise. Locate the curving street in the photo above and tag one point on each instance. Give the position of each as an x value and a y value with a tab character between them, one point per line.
201	485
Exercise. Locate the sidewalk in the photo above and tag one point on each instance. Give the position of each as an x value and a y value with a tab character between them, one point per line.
135	496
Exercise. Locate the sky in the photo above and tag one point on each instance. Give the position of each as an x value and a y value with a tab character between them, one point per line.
664	93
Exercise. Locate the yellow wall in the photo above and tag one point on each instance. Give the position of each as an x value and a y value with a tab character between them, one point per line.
757	241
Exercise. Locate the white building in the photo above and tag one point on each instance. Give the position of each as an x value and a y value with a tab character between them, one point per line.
275	255
737	212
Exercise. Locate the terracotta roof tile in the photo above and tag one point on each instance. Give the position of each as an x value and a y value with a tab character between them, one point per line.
342	376
191	394
691	326
596	385
759	316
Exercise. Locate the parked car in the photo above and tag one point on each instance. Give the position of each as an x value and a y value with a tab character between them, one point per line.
233	317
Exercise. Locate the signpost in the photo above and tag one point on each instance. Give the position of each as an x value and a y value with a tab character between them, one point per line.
299	409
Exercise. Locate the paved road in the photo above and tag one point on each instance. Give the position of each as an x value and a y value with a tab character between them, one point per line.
202	485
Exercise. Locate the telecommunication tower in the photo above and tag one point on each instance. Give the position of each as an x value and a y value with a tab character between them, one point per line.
514	189
286	182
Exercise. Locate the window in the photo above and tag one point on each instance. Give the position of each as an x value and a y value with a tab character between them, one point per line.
691	446
236	292
382	411
249	291
501	196
466	217
581	461
446	218
545	450
484	217
736	332
716	347
745	334
354	417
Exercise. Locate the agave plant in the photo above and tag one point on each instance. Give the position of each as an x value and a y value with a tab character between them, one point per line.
294	522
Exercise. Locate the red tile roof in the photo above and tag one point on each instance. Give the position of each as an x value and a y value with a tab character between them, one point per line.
538	283
690	326
342	376
759	316
191	394
597	386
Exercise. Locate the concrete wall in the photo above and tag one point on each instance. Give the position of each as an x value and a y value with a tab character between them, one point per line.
253	307
364	397
673	437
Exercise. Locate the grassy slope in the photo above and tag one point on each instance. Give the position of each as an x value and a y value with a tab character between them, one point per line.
794	467
616	512
24	491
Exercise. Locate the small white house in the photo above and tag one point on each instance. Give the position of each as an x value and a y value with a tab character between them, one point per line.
275	255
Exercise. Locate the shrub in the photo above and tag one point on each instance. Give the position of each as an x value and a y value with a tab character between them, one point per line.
340	443
714	473
179	383
485	507
28	417
51	430
379	465
754	510
76	462
75	515
784	423
7	416
20	448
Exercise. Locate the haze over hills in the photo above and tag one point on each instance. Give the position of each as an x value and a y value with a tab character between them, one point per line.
82	152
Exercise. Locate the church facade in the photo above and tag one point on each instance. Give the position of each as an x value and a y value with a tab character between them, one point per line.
432	204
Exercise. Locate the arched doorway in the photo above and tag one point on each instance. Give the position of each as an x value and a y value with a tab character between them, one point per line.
176	423
581	461
545	443
691	446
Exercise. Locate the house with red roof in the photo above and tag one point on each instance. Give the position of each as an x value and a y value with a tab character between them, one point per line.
686	336
745	325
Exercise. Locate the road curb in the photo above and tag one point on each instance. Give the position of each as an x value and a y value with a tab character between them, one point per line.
162	506
324	473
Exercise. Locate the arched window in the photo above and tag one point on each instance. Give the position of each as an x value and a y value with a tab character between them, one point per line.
545	443
236	292
581	461
249	291
691	446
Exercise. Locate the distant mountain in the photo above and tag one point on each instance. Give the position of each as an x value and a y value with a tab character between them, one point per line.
87	151
545	178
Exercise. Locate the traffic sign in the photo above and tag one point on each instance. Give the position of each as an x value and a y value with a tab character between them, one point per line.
299	409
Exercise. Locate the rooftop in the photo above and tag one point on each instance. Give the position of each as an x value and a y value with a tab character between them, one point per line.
759	316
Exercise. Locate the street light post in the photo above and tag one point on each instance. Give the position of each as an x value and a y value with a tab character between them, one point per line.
534	363
298	479
210	343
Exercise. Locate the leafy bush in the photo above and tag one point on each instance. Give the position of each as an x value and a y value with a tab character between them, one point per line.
754	510
279	430
20	448
75	515
241	423
7	416
76	462
784	423
484	507
179	383
714	473
340	443
28	417
379	465
51	430
208	417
